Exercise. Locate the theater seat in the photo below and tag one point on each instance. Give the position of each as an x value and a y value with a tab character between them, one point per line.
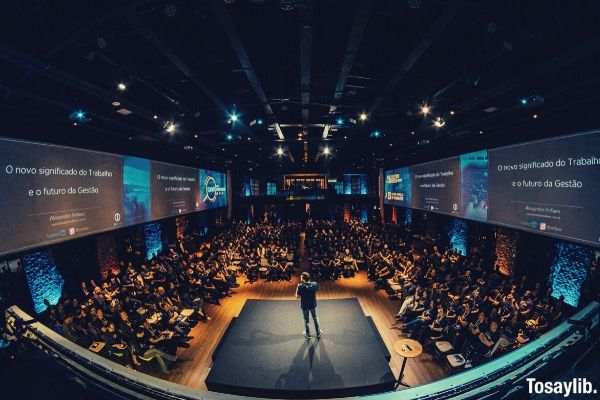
456	361
443	346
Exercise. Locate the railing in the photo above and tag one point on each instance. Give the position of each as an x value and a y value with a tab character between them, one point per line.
500	378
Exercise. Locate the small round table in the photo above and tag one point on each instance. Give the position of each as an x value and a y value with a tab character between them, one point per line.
407	348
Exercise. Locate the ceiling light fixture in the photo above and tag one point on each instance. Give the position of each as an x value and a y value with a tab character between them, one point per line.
122	86
439	122
425	109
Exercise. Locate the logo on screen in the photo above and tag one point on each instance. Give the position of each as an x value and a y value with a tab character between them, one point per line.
117	217
210	188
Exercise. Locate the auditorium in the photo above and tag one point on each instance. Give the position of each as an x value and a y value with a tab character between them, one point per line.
300	199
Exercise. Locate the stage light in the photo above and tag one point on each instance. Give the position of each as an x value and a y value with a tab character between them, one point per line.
535	116
439	122
155	116
339	121
122	86
233	118
363	116
451	112
345	137
279	151
259	121
195	136
79	116
229	137
116	103
326	150
412	133
524	101
170	127
481	132
375	134
425	109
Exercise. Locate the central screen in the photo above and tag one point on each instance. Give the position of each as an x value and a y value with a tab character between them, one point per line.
548	187
53	193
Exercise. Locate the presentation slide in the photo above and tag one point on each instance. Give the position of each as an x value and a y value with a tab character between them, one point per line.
549	187
398	187
52	193
174	190
436	186
474	185
137	197
213	189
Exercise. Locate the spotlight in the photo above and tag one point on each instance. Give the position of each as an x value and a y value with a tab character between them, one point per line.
339	121
233	118
524	101
375	134
122	86
326	150
451	112
155	116
535	116
279	151
363	116
171	127
116	103
259	121
425	109
229	137
79	116
439	122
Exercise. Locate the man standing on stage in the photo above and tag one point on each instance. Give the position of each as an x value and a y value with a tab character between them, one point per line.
307	290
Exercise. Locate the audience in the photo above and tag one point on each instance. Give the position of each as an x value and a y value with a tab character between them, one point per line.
144	310
443	294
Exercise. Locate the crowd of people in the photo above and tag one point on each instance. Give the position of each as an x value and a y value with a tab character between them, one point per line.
144	310
443	295
141	311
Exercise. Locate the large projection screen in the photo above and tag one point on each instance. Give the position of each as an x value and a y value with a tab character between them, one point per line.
53	193
549	187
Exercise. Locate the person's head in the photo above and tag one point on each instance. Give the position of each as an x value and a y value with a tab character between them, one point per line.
494	326
305	277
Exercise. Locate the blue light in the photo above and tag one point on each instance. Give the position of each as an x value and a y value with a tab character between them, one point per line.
524	101
78	116
340	121
458	236
229	137
259	121
43	278
153	239
233	118
569	270
376	134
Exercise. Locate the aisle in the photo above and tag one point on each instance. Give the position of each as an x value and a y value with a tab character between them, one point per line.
195	361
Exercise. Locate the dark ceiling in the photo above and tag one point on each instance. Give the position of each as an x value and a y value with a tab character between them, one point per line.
299	66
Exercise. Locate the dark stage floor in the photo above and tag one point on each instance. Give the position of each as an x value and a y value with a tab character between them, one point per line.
264	353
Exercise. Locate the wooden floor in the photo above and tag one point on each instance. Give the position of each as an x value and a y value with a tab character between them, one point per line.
195	362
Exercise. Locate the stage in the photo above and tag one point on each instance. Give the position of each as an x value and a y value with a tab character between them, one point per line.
263	353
